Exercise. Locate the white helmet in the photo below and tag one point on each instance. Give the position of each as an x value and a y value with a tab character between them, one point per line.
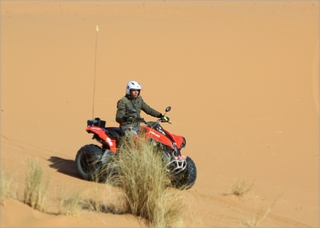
133	85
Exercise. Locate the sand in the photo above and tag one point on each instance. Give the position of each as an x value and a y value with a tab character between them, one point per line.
241	78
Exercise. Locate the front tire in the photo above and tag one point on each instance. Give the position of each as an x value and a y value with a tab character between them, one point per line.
88	162
186	179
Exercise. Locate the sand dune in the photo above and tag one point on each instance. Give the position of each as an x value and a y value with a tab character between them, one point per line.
241	77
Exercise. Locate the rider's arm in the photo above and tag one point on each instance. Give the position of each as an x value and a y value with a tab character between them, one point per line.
150	111
121	112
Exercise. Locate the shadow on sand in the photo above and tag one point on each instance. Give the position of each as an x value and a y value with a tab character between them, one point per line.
65	166
68	167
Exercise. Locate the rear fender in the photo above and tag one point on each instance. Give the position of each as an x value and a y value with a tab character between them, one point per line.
103	136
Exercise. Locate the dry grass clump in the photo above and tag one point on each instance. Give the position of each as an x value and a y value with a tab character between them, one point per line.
256	219
105	199
5	184
7	187
240	188
142	177
70	203
36	186
97	201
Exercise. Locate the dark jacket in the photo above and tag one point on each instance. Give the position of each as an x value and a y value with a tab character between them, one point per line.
126	103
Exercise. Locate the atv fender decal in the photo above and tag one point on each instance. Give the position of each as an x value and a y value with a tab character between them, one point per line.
108	140
111	144
155	134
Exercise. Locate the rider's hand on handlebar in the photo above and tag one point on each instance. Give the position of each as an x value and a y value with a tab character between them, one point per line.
165	119
129	119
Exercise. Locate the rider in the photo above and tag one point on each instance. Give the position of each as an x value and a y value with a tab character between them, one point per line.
133	100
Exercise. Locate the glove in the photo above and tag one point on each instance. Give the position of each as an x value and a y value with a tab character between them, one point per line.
165	119
129	119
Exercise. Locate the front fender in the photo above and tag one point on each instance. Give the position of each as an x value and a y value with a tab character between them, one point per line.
180	141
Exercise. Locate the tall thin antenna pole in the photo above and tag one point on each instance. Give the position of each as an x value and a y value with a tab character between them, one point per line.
95	66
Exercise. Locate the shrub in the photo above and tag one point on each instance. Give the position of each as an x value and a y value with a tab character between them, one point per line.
142	177
70	204
240	188
36	186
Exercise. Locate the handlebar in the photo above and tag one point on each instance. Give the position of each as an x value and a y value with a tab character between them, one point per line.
142	120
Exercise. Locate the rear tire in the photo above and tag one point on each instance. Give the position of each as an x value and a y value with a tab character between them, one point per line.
186	179
88	162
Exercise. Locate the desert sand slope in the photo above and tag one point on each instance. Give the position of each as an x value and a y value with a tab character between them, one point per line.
241	77
20	215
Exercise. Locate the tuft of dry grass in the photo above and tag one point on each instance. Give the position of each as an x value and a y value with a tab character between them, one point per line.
259	215
256	219
70	203
36	186
96	202
5	184
6	187
240	188
105	199
142	177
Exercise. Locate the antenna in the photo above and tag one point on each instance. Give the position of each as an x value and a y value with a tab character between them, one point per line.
94	74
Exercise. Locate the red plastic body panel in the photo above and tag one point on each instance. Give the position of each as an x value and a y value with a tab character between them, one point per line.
102	135
149	133
161	138
178	139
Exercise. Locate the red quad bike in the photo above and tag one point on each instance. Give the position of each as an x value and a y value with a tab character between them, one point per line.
91	158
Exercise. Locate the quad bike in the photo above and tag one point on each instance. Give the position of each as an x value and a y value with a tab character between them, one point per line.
90	158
